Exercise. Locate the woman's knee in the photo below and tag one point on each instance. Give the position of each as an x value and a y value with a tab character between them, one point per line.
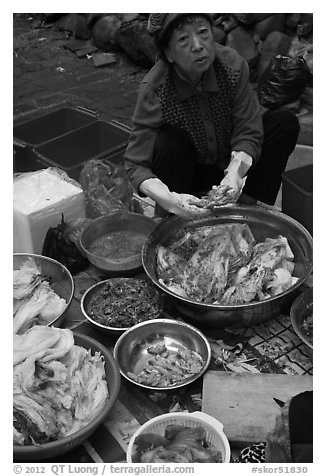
284	119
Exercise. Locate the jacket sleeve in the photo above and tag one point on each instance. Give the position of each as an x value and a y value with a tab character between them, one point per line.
147	121
247	121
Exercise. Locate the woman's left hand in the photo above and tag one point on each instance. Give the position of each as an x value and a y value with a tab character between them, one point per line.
234	183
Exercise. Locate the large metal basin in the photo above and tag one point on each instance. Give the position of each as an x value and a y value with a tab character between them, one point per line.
263	222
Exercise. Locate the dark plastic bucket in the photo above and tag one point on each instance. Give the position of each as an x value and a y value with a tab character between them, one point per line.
297	195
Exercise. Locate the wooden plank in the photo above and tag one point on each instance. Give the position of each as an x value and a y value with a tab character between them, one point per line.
244	403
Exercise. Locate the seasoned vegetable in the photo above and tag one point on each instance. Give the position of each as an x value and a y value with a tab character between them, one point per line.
124	302
307	327
223	264
35	302
167	367
58	387
180	444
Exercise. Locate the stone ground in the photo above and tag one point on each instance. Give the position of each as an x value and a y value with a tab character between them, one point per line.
48	76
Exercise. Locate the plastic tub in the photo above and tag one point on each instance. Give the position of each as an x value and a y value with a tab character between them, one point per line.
297	195
37	131
215	436
52	125
26	160
98	140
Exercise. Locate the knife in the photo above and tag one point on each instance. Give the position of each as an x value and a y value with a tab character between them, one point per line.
279	402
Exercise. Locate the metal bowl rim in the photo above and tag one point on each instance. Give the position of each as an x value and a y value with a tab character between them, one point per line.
165	321
294	323
64	268
102	326
234	307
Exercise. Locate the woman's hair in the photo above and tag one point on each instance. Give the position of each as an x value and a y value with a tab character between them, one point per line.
186	19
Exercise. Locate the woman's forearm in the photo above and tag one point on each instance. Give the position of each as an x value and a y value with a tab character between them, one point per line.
155	189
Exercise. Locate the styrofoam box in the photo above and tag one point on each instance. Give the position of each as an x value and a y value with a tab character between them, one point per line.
40	198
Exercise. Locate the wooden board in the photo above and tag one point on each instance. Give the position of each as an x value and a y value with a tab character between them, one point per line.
243	402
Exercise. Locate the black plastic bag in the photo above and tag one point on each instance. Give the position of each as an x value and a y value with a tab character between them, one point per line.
283	81
59	244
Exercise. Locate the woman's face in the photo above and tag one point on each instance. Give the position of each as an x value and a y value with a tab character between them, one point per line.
192	49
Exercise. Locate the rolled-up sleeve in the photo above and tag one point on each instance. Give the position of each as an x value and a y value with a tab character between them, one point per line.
147	120
247	121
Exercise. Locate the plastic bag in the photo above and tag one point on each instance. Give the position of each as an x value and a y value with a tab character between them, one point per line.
107	188
62	244
283	81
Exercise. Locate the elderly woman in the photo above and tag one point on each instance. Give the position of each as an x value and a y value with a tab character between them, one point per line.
198	123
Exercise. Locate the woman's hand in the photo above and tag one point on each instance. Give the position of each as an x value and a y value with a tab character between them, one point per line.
235	179
232	186
185	205
180	204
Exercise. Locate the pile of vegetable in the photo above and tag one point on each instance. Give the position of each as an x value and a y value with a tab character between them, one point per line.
124	302
180	444
307	327
58	387
34	300
224	264
167	367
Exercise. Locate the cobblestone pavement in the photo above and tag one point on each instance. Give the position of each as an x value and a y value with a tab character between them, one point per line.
48	76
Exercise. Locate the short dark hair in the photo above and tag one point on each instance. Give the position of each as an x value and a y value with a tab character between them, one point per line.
163	41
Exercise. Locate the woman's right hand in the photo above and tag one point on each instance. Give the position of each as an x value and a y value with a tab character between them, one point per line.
184	205
181	204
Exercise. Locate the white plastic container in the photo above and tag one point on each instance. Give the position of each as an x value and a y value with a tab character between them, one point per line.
215	436
39	200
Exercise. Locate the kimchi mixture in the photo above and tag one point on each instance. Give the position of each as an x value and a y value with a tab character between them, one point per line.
180	444
166	367
223	264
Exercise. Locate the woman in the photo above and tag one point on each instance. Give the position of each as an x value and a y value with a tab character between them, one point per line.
197	123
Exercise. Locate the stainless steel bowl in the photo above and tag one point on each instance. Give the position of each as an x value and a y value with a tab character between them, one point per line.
130	350
301	307
115	331
59	276
263	222
103	226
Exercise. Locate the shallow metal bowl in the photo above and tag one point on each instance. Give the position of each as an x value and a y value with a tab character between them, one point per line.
58	275
103	226
301	308
115	331
264	223
130	350
64	445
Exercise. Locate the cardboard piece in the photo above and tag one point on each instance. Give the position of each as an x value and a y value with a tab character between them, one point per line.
243	402
102	59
